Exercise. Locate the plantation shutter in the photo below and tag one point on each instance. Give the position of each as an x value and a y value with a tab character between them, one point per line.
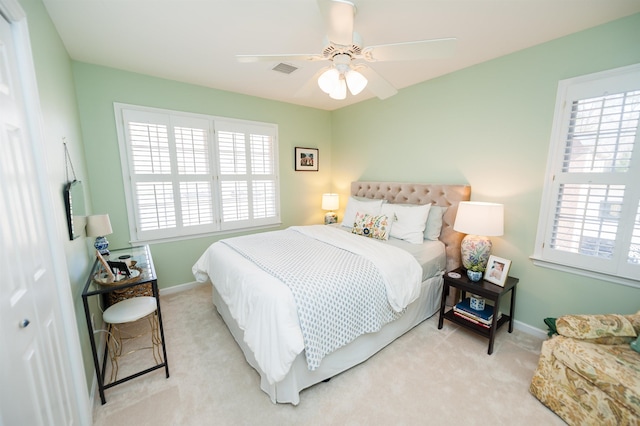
151	182
600	140
192	174
194	169
248	180
171	175
633	257
594	219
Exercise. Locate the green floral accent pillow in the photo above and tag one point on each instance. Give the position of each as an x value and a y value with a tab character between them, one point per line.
371	226
597	327
635	345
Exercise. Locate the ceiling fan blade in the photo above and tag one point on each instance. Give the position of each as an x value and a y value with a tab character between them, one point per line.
338	16
279	58
412	50
311	85
376	83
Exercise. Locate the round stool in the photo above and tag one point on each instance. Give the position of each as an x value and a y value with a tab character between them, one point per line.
128	311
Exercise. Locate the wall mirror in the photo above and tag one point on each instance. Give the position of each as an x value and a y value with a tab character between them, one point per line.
76	214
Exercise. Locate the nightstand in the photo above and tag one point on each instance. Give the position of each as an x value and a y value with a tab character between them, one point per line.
487	290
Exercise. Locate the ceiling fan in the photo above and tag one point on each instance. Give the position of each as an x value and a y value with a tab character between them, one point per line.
344	49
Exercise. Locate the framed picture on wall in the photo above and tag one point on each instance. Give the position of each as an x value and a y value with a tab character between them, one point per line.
497	270
306	159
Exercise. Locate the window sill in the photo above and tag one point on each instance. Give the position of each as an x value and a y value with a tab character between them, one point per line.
585	273
219	234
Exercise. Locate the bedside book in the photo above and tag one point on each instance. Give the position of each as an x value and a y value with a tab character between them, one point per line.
471	319
465	307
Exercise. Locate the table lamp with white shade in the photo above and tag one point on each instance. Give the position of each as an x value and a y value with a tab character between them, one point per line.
479	221
330	202
98	226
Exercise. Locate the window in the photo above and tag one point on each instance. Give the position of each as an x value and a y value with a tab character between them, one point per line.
590	216
191	174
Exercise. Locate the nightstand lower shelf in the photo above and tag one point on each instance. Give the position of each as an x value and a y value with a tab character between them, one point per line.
484	331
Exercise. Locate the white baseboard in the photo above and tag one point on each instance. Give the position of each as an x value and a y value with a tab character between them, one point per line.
180	287
526	328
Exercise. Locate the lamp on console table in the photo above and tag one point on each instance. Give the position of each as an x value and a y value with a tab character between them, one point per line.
98	226
330	202
478	220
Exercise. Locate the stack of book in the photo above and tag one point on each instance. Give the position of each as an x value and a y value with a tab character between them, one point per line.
482	318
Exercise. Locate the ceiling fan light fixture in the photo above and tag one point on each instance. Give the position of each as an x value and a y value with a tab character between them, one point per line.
344	49
338	78
355	81
340	90
328	80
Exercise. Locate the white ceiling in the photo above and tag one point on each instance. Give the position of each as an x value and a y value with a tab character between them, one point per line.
195	41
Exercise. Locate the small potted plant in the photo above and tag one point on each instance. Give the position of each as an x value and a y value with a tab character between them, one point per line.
475	271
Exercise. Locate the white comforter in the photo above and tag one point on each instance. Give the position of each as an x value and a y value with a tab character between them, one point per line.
264	307
400	270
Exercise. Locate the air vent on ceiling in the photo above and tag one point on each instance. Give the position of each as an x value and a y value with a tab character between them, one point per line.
284	68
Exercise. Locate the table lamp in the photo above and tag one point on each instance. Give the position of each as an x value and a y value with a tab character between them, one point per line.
330	202
478	220
98	226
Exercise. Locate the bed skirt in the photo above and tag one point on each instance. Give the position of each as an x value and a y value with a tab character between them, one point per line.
300	377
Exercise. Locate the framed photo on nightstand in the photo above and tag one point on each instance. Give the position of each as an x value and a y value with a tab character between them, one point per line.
497	270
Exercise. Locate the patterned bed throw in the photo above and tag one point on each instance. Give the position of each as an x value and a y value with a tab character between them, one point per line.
339	294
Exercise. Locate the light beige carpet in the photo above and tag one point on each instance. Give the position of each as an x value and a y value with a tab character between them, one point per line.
426	377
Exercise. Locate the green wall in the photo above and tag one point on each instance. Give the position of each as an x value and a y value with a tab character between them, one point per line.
489	125
99	87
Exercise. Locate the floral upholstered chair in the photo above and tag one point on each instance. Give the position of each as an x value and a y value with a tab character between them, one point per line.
589	373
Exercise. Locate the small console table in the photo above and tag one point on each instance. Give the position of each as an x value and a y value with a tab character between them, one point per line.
142	256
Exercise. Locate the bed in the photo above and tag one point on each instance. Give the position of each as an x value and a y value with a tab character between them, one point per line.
275	324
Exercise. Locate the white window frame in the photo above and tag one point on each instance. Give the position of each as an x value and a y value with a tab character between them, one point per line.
617	268
213	125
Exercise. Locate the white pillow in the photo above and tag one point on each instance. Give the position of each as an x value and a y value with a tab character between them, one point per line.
362	205
434	223
408	221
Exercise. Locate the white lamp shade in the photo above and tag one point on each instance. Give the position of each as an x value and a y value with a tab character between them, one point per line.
335	81
479	218
339	91
355	81
330	201
328	80
98	225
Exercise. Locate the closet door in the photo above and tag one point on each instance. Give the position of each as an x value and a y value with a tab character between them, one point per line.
35	368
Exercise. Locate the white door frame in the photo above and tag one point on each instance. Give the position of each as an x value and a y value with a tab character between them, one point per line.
16	16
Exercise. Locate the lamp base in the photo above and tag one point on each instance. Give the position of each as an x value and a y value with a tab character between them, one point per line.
330	218
475	250
102	245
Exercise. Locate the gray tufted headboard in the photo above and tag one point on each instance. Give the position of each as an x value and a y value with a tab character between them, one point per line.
420	193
